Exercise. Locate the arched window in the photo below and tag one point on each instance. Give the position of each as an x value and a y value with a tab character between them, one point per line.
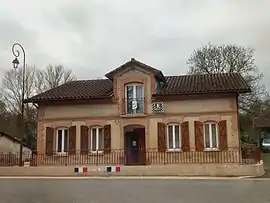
97	139
134	98
61	140
210	135
173	136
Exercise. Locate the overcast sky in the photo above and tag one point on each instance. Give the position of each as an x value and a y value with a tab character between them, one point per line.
93	37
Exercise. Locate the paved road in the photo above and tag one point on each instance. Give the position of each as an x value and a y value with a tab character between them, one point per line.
134	191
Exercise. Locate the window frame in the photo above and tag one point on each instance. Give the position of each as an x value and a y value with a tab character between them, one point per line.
63	141
97	139
174	141
211	136
134	85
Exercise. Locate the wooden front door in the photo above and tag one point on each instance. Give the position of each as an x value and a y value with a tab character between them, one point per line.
135	147
142	153
131	148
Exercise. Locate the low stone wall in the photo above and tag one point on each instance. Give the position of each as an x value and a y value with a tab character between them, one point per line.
216	170
220	170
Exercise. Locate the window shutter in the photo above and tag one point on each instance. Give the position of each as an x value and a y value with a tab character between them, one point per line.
49	141
222	135
161	137
72	140
107	138
84	139
185	136
199	140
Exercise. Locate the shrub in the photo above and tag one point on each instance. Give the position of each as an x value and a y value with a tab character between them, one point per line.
247	139
248	149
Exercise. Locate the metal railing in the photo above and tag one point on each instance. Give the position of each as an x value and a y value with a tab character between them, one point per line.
149	156
133	105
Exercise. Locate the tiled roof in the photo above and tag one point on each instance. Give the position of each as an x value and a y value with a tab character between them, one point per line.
76	90
204	83
175	85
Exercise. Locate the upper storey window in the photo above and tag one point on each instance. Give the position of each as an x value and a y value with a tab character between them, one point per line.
134	98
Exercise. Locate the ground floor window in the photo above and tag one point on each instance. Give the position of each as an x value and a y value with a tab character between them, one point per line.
62	140
173	136
97	139
210	135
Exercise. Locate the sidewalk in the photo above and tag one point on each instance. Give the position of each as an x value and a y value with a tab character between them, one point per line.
130	178
186	170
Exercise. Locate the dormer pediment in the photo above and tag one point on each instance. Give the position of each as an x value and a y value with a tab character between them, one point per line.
134	65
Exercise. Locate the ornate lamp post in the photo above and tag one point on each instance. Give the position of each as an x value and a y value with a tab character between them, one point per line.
16	62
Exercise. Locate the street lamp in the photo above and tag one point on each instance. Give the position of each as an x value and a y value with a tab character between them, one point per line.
16	62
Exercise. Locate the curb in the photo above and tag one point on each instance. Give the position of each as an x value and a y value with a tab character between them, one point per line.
127	177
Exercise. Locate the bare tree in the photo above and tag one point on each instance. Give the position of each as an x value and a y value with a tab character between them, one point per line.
57	75
4	115
7	121
12	87
52	76
3	108
228	59
36	81
40	83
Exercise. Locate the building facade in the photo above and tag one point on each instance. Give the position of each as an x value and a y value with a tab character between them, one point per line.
140	116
